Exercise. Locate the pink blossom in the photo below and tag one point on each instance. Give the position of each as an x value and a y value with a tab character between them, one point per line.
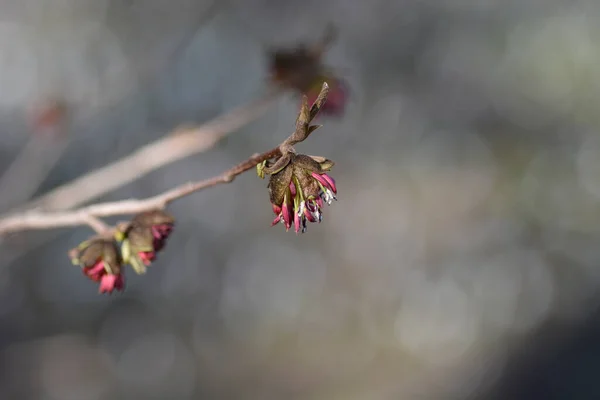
108	281
300	206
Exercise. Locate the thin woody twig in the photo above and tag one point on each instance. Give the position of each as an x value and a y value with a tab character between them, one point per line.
89	215
97	225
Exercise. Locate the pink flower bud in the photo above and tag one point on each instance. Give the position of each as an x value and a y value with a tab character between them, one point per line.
100	261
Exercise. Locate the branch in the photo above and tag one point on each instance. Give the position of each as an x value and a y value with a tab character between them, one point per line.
182	143
89	215
96	224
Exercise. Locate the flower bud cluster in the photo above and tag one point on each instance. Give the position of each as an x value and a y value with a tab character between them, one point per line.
135	243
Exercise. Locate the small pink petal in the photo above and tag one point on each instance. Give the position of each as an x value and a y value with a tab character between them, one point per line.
326	181
147	257
161	231
320	178
166	229
293	189
276	220
330	183
287	216
296	222
96	271
309	215
276	209
108	283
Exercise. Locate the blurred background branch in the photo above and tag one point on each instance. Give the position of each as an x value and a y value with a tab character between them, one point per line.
30	168
52	128
179	144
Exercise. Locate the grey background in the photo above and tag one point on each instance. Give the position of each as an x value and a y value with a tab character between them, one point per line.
461	260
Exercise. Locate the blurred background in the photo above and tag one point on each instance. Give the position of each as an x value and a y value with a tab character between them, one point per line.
460	262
